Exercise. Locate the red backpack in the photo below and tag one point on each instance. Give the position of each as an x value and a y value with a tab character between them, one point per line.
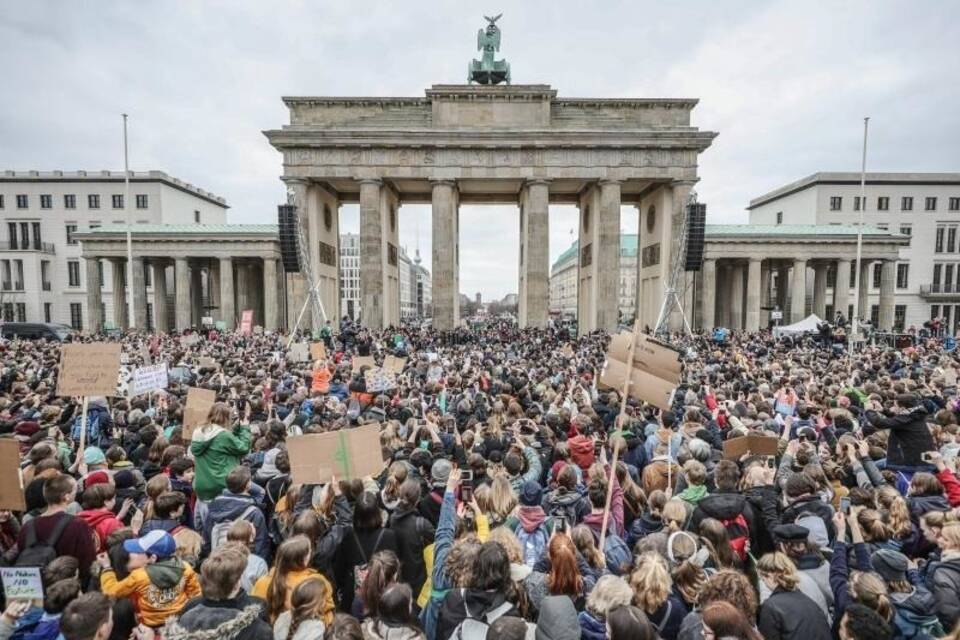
739	534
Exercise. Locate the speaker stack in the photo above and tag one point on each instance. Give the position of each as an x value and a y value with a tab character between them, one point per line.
289	243
696	221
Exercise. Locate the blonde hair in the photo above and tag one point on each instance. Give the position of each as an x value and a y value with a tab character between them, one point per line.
610	592
502	497
395	477
674	515
897	512
651	582
781	569
869	589
508	540
950	536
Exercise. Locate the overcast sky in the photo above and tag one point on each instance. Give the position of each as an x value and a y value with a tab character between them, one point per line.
786	85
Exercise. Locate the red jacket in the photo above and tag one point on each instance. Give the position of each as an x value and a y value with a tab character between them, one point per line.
581	451
103	523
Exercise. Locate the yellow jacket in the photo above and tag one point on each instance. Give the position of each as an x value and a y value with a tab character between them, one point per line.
294	578
159	590
483	532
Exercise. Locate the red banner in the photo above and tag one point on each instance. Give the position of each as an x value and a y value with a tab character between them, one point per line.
246	322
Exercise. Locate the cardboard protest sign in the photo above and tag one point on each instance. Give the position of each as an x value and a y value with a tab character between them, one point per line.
198	406
189	340
246	322
147	379
362	361
378	379
22	583
145	355
643	386
757	445
11	482
89	369
568	351
655	368
648	355
346	454
299	352
318	351
205	362
393	364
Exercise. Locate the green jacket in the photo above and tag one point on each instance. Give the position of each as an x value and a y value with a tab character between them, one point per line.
217	451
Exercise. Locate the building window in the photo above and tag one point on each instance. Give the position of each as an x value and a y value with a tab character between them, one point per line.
779	217
2	205
141	201
70	201
37	238
903	276
100	273
71	229
937	274
951	239
953	205
47	311
22	201
8	312
836	203
883	203
906	203
24	235
93	201
906	229
46	201
196	216
899	316
874	314
856	204
938	241
73	273
21	312
18	274
116	201
877	274
930	204
76	315
831	277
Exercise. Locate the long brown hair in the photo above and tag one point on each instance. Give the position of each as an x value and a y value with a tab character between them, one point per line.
582	537
726	621
306	603
869	589
292	555
384	571
564	577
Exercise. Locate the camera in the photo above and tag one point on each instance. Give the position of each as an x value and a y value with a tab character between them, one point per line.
466	485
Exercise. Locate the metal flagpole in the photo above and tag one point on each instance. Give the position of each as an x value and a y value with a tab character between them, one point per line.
131	318
855	323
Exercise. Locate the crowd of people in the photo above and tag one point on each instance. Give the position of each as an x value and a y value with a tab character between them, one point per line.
519	497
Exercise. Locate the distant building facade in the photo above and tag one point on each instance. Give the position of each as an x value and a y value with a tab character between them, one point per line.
415	290
563	280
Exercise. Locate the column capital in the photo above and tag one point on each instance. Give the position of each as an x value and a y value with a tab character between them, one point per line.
537	181
683	183
294	181
375	181
442	182
753	259
609	182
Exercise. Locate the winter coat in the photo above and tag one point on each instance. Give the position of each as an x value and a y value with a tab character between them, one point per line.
351	555
203	619
791	615
591	628
294	578
308	630
566	503
920	505
642	527
815	506
453	611
413	532
217	451
668	616
909	436
943	581
913	607
103	523
379	630
228	507
724	506
160	589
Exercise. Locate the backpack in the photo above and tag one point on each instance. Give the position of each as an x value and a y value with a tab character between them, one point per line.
474	628
617	554
219	531
40	553
532	543
567	511
360	571
93	429
908	625
739	533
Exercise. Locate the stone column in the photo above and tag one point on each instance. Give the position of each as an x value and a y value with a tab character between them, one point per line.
888	278
371	254
228	309
820	289
184	300
94	296
535	254
160	323
196	291
139	295
709	299
765	277
798	290
863	299
736	297
607	256
783	278
446	263
271	306
752	320
119	291
841	290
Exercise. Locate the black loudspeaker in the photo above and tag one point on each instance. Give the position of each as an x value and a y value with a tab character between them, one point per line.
289	244
696	221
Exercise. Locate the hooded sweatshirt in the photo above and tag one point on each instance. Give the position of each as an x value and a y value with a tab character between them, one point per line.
103	523
217	451
161	589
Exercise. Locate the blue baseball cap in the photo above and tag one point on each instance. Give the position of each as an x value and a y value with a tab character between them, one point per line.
156	543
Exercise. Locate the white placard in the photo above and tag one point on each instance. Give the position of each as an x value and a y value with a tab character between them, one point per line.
146	379
22	583
776	315
206	321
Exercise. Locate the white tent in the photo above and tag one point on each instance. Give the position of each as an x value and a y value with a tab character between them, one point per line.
807	325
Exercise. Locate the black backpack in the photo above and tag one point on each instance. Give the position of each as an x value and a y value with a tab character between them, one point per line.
41	553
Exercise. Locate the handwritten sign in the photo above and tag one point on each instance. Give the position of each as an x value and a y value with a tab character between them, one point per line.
393	364
362	361
346	454
246	322
11	482
378	379
22	583
299	352
318	351
147	379
198	406
190	340
89	369
206	321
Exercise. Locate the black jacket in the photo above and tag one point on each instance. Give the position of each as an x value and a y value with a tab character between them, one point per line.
909	436
943	580
791	615
725	506
453	611
413	533
812	505
237	619
351	555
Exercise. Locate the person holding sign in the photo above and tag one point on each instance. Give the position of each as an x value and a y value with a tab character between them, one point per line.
216	451
321	377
